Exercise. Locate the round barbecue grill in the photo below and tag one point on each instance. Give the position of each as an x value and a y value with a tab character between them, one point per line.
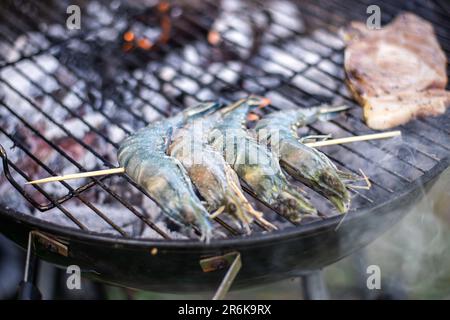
70	96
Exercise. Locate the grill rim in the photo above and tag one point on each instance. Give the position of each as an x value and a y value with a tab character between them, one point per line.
234	242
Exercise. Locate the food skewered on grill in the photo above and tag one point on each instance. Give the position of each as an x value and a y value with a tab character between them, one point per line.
208	146
256	165
143	155
304	163
397	73
213	177
159	158
162	159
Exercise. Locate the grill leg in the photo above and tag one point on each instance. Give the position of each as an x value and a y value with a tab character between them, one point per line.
314	287
233	259
27	288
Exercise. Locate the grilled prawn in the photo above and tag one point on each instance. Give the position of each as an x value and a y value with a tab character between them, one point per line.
143	155
255	164
210	173
306	164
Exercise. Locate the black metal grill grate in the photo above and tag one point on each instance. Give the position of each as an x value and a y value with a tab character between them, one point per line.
96	81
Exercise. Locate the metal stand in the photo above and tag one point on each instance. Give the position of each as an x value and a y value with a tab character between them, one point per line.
314	287
27	287
233	260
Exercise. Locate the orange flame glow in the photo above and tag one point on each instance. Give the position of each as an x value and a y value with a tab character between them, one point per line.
264	102
144	43
253	117
128	36
163	6
213	37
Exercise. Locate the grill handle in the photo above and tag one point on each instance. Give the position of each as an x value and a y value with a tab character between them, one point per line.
41	207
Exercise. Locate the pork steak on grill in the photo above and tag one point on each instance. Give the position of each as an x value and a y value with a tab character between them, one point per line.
396	73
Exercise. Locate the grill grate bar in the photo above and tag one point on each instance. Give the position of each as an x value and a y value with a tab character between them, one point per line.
66	185
442	8
74	162
443	124
7	164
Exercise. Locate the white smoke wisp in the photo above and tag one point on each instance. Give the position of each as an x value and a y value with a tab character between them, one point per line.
416	252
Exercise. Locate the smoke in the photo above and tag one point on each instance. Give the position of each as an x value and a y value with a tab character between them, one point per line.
413	256
416	252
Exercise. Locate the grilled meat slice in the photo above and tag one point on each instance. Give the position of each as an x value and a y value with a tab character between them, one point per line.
397	73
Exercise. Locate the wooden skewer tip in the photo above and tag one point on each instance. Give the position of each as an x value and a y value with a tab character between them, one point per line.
78	175
383	135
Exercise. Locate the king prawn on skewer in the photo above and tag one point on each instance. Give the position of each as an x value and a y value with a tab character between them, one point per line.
255	164
306	164
143	155
213	177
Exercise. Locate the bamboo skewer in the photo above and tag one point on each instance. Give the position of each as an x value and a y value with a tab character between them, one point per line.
316	144
375	136
78	175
